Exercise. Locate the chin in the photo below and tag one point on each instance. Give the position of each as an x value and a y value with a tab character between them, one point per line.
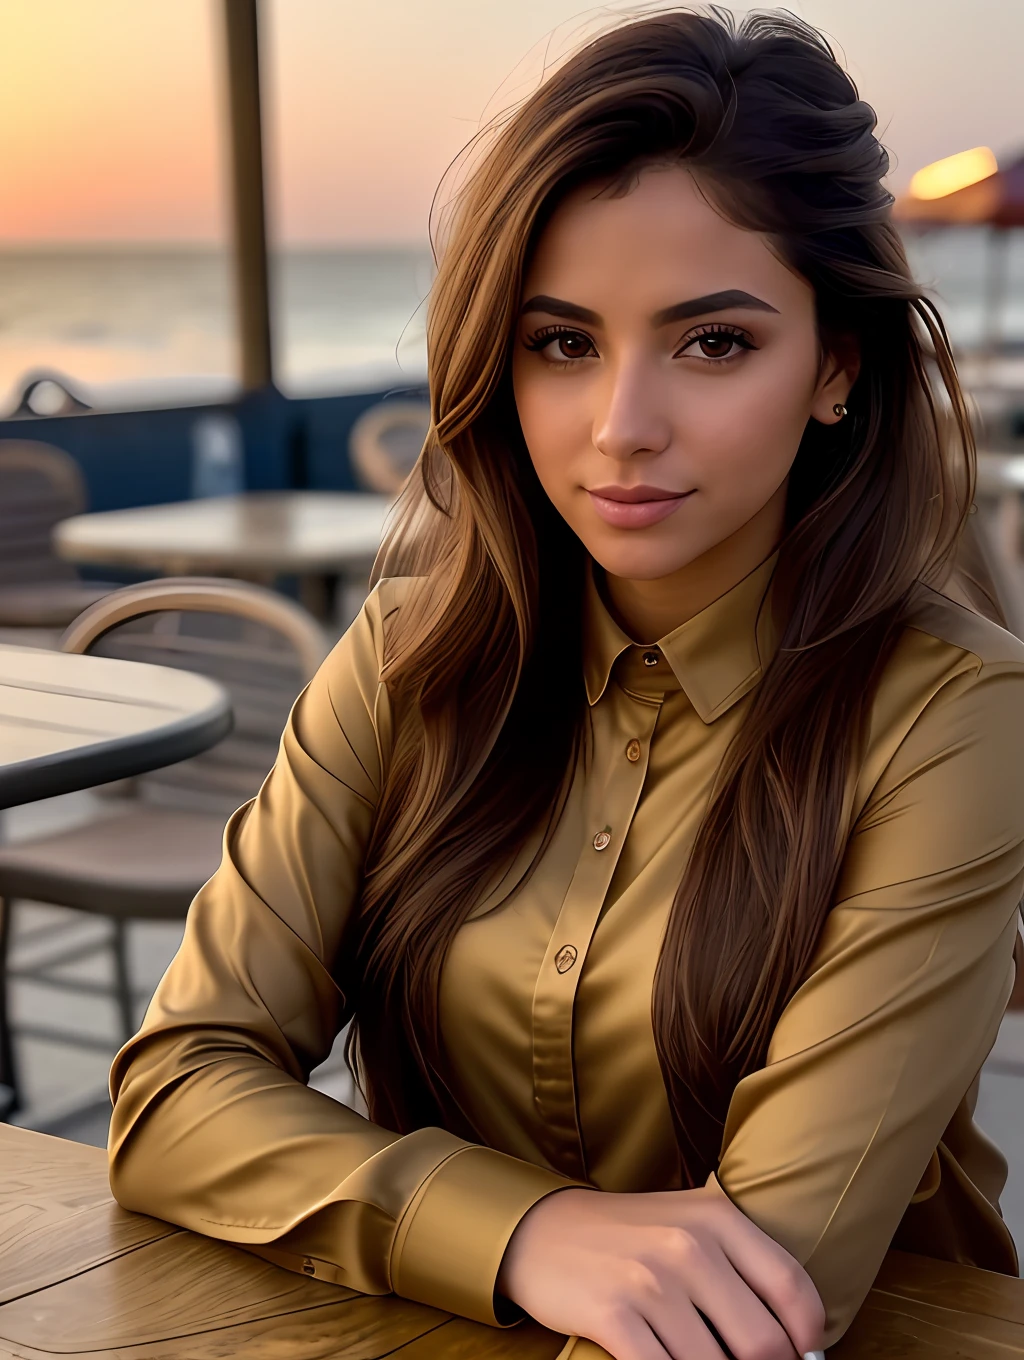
642	561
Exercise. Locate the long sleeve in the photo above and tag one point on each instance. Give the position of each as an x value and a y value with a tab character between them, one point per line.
214	1127
826	1146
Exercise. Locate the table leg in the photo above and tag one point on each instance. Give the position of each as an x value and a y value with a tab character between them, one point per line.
9	1102
315	593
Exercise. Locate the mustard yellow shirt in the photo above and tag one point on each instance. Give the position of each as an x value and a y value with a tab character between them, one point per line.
857	1129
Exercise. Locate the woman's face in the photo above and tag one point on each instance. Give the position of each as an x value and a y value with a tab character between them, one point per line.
665	365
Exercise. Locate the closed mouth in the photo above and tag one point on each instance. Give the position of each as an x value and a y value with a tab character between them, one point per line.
632	495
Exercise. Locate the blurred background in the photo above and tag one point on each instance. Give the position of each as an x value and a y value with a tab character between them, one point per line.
115	213
214	256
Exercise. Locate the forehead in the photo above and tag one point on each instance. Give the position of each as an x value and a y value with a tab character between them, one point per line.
661	237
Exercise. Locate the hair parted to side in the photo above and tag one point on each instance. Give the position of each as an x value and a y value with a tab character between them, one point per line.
483	667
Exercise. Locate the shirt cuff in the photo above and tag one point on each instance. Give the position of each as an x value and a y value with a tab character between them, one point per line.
451	1239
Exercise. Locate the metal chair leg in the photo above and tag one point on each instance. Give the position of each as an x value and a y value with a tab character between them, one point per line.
122	980
9	1099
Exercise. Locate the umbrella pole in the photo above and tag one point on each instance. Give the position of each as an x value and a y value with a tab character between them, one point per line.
247	200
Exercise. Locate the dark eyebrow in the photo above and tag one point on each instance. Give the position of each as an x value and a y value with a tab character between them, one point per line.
711	302
557	307
680	311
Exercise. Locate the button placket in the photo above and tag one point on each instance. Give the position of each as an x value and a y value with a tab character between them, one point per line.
615	787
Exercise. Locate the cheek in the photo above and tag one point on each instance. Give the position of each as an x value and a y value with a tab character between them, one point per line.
556	421
741	432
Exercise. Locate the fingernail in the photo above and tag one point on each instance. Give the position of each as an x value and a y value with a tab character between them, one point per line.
814	1355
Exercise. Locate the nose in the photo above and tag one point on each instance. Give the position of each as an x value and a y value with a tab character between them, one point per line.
633	419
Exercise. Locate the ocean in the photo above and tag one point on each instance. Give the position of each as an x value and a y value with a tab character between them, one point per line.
145	326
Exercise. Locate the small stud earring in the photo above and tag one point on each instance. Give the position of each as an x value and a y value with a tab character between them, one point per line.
839	410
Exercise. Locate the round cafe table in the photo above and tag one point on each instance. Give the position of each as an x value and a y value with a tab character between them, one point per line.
323	537
69	722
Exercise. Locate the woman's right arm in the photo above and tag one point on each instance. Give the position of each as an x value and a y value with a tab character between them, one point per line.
214	1127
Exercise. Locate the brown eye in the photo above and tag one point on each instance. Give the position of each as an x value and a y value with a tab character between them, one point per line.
573	346
716	346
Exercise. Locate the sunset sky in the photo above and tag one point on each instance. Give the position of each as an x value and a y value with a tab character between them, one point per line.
110	124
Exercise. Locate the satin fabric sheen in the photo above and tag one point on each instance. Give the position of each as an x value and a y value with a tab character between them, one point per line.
858	1132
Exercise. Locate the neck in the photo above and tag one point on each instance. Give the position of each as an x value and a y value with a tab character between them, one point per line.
647	610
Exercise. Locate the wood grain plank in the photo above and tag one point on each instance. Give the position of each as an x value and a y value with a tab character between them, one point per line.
168	1288
57	1217
358	1328
361	1328
462	1340
934	1282
39	1243
887	1328
53	1168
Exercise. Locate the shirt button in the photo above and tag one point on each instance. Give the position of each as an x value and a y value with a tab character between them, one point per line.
602	840
566	957
650	658
633	750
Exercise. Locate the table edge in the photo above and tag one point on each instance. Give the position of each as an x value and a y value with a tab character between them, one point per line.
101	762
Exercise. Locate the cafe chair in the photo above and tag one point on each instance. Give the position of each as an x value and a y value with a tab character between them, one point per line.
385	442
39	486
160	839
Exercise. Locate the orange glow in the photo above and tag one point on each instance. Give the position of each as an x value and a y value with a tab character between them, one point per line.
110	110
110	121
953	173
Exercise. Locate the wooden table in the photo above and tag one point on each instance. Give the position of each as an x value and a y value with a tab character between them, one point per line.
315	535
81	1277
69	722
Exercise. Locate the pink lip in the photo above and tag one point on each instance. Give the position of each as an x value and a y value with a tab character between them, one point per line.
635	507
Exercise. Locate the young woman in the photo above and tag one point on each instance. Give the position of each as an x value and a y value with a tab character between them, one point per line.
659	823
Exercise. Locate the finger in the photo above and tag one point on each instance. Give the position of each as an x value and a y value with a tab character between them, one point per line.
778	1279
682	1331
633	1339
744	1324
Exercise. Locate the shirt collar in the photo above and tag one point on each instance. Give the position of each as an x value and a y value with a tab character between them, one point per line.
717	656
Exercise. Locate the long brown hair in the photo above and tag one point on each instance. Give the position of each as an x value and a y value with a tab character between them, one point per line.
483	666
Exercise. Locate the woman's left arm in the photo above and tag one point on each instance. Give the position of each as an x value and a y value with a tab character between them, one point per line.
826	1145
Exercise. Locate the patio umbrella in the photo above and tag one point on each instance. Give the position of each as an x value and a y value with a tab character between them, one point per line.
985	196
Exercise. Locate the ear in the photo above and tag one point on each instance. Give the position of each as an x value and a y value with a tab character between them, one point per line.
840	364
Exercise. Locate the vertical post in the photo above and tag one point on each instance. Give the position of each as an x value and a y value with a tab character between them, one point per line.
9	1101
247	198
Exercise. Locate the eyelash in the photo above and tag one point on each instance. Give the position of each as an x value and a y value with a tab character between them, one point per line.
542	338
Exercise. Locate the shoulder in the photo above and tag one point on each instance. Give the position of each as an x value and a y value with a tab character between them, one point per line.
391	598
358	658
963	632
954	679
345	710
393	593
943	642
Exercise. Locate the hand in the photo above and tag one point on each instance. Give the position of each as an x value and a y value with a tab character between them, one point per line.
631	1272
